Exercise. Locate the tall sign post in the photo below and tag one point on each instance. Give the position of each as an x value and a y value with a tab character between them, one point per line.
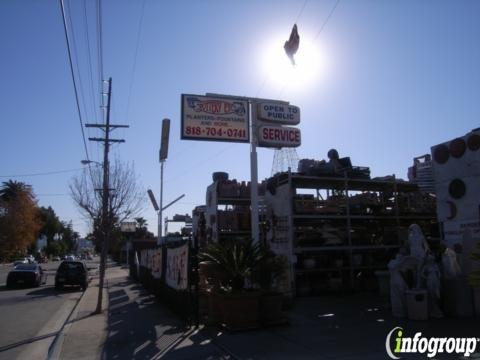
254	173
217	117
163	157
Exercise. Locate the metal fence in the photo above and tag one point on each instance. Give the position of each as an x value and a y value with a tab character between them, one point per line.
169	271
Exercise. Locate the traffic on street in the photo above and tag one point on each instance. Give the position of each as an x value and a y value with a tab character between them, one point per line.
32	316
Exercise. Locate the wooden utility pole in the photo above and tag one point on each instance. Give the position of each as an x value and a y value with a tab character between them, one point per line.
106	222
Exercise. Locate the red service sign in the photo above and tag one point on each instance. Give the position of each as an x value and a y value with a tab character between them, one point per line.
279	136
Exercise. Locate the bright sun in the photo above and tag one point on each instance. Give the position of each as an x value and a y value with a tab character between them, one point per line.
310	65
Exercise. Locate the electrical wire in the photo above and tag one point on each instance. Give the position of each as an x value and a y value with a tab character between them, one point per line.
139	31
100	58
315	38
301	11
90	67
296	21
73	79
326	20
76	62
43	173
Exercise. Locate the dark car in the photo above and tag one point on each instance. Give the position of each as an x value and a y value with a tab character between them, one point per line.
26	274
74	273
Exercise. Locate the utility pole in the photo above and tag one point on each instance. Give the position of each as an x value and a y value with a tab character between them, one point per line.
106	222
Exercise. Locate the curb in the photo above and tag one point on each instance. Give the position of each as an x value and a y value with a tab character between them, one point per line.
55	348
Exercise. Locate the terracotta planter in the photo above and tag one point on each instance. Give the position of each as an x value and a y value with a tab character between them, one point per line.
240	311
271	309
214	316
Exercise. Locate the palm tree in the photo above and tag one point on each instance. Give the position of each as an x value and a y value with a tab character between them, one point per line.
141	231
12	188
141	222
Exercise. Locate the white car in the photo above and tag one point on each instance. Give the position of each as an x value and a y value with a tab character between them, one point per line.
70	258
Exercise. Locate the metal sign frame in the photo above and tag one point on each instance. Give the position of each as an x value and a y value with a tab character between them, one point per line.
245	128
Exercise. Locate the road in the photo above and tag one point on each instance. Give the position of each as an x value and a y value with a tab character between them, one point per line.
31	317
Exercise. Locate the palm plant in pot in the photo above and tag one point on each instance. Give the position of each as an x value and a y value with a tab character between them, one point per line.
268	274
236	261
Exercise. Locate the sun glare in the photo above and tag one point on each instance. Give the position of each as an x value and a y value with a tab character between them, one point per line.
309	67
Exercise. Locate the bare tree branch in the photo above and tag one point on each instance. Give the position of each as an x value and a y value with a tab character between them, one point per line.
126	196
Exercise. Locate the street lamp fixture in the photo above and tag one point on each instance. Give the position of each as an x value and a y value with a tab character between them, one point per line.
87	162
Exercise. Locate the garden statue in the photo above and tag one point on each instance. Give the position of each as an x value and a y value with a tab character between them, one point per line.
398	285
416	241
418	249
431	275
451	269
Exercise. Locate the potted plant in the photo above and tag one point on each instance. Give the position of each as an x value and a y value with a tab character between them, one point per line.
236	261
270	271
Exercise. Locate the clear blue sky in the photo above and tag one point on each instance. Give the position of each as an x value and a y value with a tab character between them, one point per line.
392	79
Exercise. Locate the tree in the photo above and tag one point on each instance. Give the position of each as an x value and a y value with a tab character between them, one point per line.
125	199
52	226
19	218
141	231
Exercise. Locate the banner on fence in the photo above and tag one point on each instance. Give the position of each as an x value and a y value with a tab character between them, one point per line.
176	274
143	258
150	259
157	264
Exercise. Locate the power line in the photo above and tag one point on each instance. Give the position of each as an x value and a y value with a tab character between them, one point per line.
73	79
100	55
139	31
266	75
43	173
77	63
90	67
326	20
301	11
316	36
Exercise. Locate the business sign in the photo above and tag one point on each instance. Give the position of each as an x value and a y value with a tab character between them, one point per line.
128	226
278	113
214	119
278	136
176	274
164	141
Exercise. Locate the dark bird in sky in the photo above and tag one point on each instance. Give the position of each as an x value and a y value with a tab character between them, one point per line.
291	46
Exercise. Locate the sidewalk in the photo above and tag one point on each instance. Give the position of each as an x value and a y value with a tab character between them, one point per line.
84	334
138	326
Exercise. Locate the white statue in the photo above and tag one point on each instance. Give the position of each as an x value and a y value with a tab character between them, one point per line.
451	269
398	286
431	274
416	241
418	249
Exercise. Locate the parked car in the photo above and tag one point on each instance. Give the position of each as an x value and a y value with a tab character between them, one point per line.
56	258
70	257
73	273
20	261
26	274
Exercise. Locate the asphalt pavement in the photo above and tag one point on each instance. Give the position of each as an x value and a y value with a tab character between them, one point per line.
31	317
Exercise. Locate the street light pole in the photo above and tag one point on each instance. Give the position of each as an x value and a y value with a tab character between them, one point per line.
159	242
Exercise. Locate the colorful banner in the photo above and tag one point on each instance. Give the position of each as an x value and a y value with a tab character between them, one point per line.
176	275
157	264
143	258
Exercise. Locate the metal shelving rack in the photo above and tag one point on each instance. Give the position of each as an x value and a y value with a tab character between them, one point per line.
346	221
